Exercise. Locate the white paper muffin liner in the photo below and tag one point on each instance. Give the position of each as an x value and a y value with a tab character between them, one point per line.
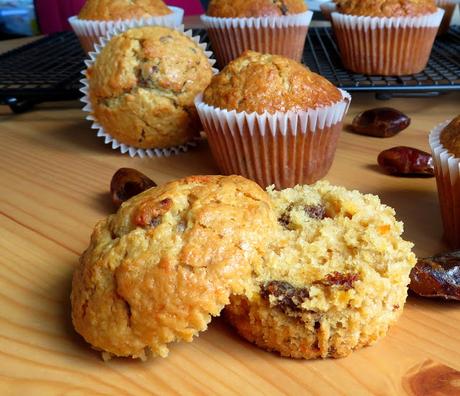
284	149
386	46
447	171
89	32
449	8
281	35
108	139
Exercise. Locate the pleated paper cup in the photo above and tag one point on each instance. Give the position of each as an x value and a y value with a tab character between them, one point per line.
386	46
280	35
89	32
447	171
449	8
109	139
284	149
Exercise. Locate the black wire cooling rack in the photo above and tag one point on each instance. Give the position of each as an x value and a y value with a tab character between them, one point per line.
49	69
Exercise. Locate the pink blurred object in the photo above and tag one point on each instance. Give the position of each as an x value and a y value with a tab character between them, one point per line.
53	14
191	7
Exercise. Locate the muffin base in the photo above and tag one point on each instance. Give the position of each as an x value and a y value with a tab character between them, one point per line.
385	46
447	172
90	32
284	149
306	338
449	7
284	35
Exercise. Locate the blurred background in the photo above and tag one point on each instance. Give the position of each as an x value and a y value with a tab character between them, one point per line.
30	17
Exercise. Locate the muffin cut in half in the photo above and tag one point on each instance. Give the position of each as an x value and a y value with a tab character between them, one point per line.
334	277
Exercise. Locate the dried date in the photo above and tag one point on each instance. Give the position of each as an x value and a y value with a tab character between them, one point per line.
288	297
406	161
381	122
437	276
126	183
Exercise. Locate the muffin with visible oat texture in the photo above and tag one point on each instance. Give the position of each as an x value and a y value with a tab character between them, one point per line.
334	277
274	27
368	31
272	120
169	259
97	18
142	86
445	146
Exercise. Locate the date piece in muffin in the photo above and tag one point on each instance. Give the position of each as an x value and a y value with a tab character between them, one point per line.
113	10
254	8
169	259
334	278
143	84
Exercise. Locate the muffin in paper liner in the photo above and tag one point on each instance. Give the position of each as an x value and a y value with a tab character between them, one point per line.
284	149
89	32
108	139
447	171
449	8
278	35
386	46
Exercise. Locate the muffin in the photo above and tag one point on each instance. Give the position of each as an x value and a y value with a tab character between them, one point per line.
272	120
142	85
169	259
334	278
386	37
275	27
97	18
445	146
449	8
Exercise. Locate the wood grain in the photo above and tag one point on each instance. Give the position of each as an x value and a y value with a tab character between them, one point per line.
54	183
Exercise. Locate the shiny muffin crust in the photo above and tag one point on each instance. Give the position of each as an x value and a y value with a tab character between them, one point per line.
257	82
386	8
143	84
113	10
334	277
169	259
254	8
450	137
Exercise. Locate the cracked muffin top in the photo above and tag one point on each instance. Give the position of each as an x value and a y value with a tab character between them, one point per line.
254	8
386	8
450	137
257	82
169	259
113	10
143	83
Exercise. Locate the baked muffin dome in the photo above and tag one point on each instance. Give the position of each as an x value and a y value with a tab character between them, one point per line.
143	84
112	10
157	270
450	137
334	277
386	8
254	8
257	82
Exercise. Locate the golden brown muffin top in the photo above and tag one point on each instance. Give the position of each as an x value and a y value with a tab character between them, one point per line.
254	8
257	82
113	10
386	8
450	137
143	80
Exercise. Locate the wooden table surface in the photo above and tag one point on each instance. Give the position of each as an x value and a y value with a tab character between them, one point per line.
54	182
